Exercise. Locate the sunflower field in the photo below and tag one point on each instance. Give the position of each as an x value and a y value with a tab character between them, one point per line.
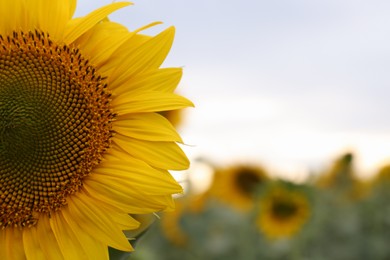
93	165
247	214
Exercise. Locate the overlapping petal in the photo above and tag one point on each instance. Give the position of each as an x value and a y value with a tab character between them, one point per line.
164	80
151	101
163	155
149	126
148	56
82	25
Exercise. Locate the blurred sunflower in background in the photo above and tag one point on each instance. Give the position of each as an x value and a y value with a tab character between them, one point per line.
283	211
379	188
375	217
174	116
82	144
237	185
340	173
341	178
382	177
170	224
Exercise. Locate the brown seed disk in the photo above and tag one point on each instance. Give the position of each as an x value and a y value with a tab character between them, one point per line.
247	179
283	209
55	125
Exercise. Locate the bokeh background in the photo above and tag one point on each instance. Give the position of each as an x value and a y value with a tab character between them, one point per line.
290	82
296	87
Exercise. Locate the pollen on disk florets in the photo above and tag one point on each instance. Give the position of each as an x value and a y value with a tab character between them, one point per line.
55	124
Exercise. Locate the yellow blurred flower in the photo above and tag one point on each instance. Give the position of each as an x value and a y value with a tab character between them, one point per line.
237	185
81	142
283	211
170	220
170	224
341	176
381	180
383	175
340	173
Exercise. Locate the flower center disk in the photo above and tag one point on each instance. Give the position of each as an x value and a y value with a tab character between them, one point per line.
283	209
247	180
55	125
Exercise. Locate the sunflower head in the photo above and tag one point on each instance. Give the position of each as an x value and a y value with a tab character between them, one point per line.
56	124
82	143
380	182
283	208
283	211
383	176
341	178
340	175
238	185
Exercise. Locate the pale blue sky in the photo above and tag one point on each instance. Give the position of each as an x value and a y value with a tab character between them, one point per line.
289	83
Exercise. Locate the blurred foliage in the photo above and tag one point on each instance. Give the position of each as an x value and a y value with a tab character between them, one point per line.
245	214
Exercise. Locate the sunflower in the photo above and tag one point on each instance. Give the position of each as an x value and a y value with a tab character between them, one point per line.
283	211
380	182
170	224
341	178
382	177
340	175
237	185
82	145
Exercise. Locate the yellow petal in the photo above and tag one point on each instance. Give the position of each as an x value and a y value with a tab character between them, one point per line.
72	8
102	40
147	126
122	189
14	241
47	240
170	205
32	248
13	16
121	218
149	56
139	175
67	242
152	101
145	220
164	155
165	80
124	221
49	16
116	153
86	212
95	249
3	248
135	203
116	57
75	30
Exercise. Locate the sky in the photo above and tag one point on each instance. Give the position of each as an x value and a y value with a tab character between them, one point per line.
288	84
